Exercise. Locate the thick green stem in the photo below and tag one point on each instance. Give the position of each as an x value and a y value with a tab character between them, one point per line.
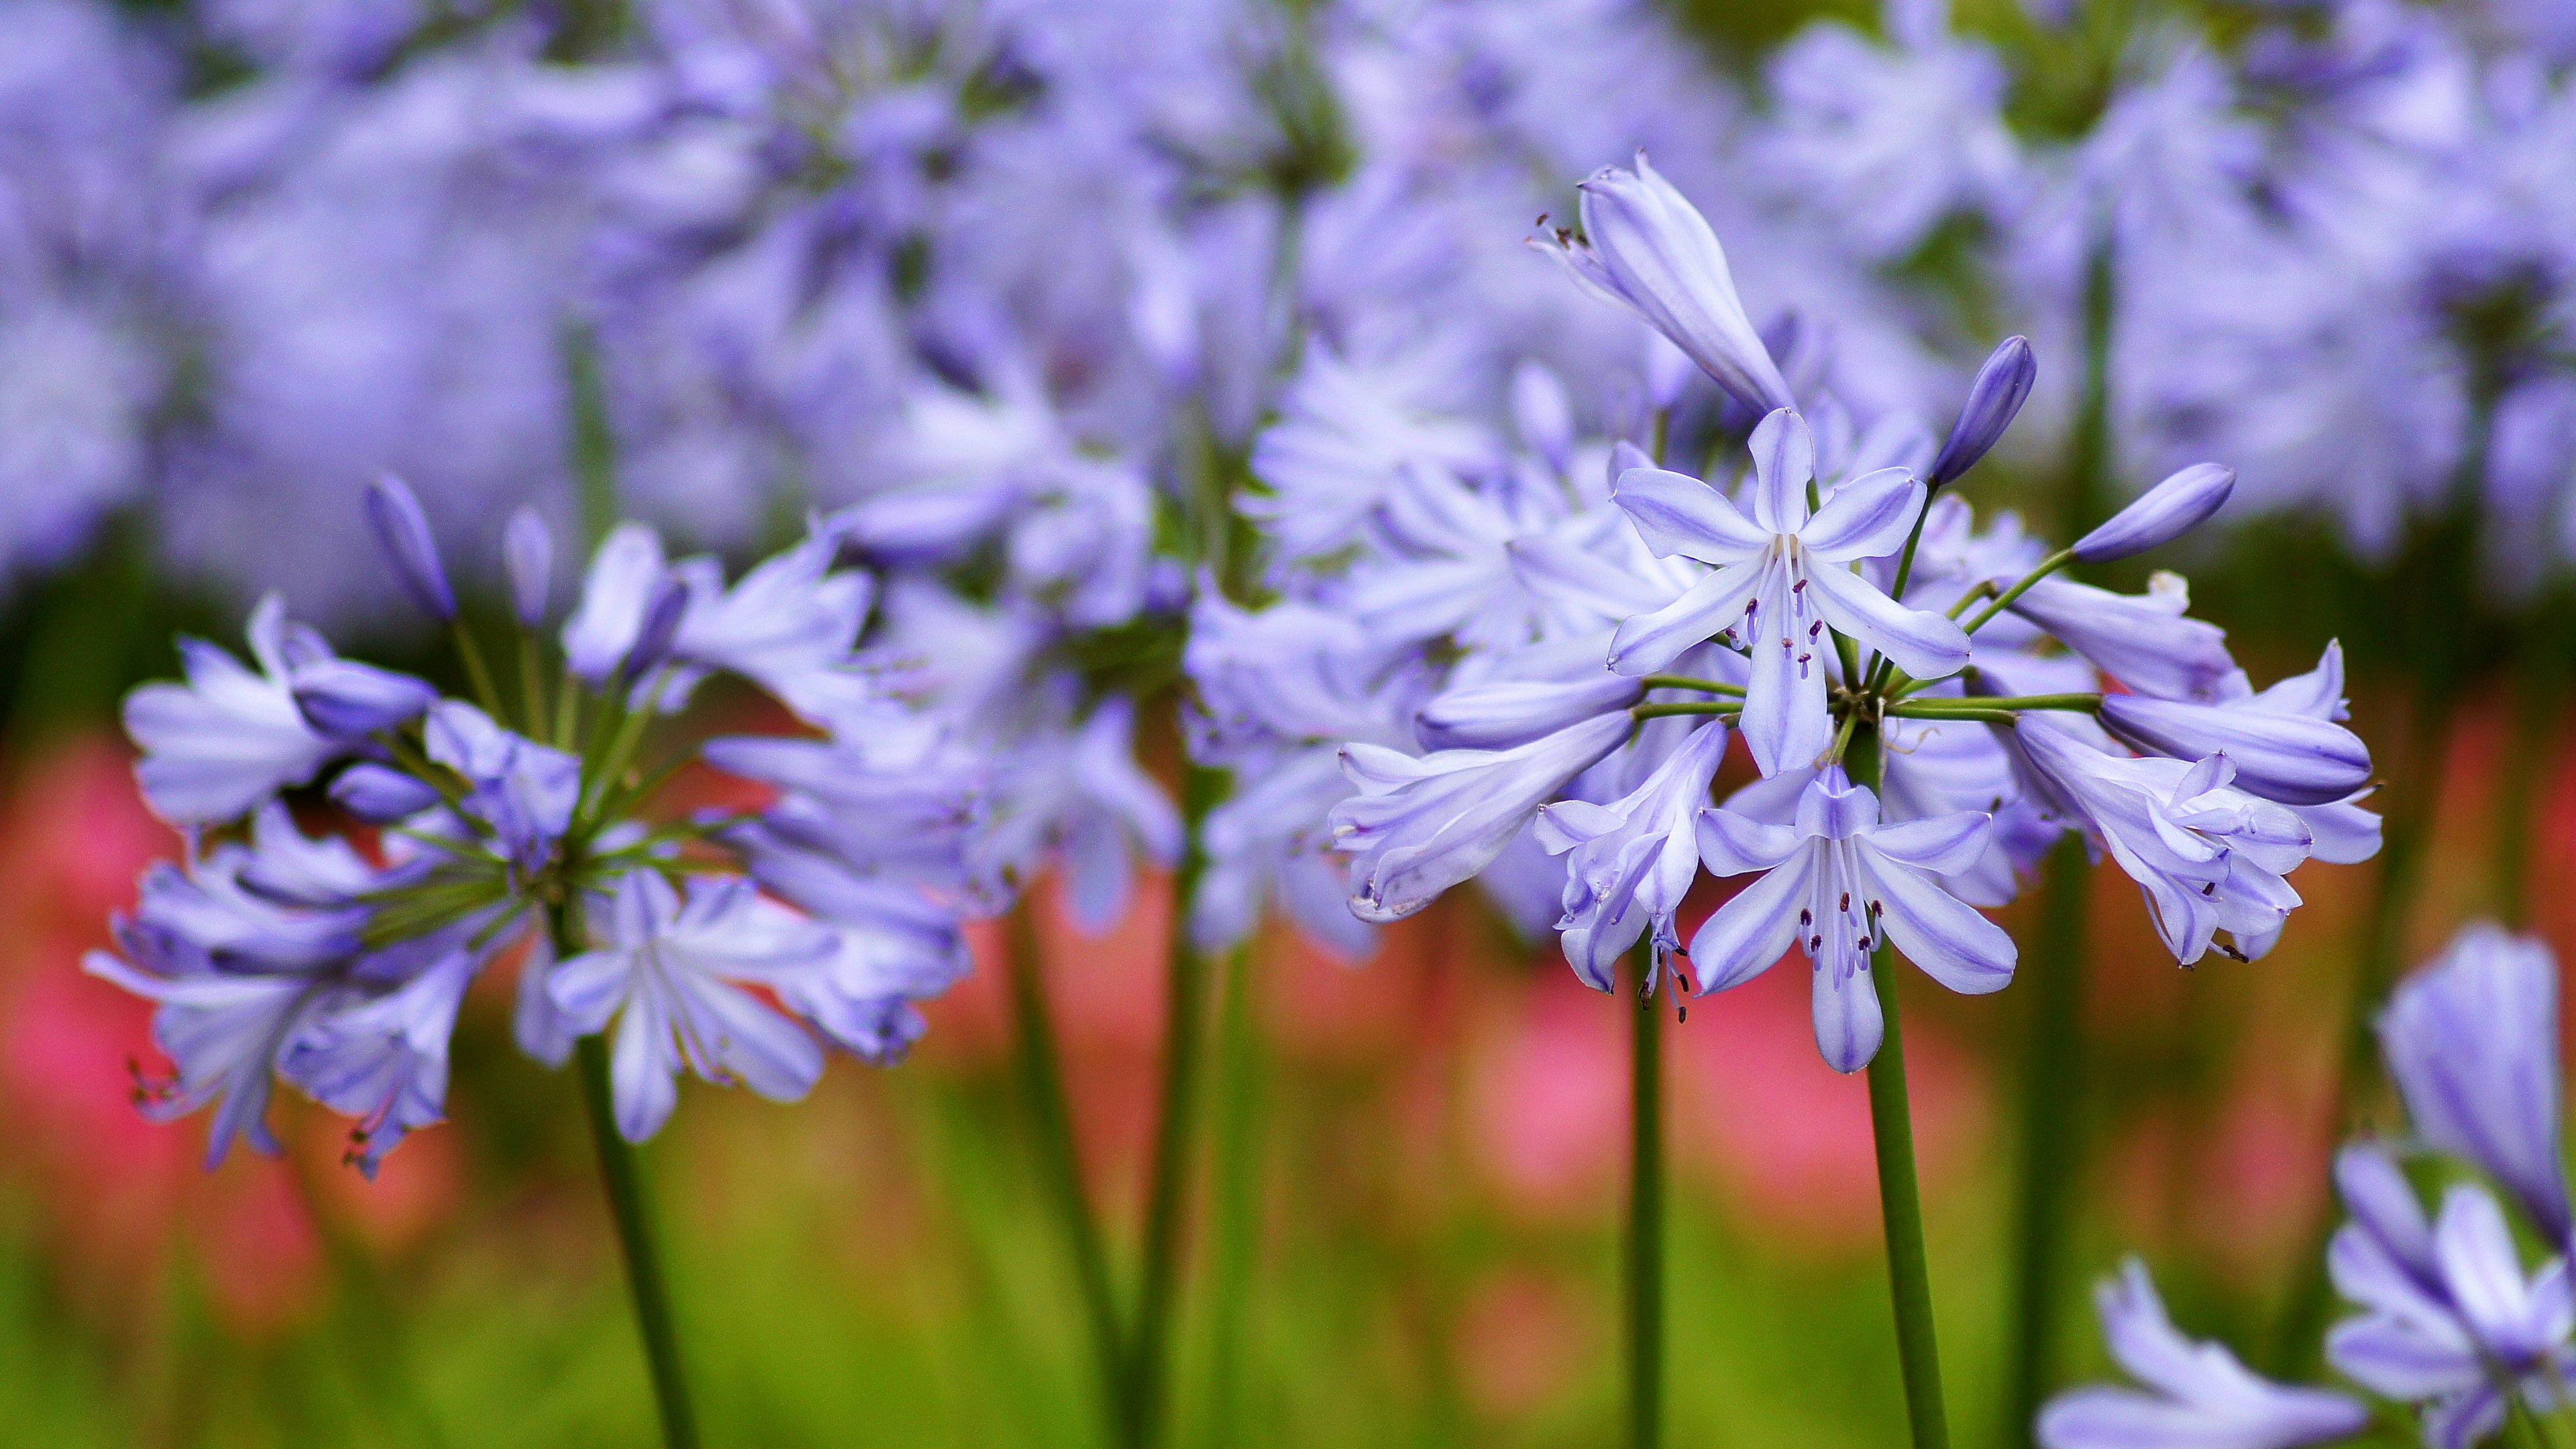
1041	1077
2051	1128
1237	1207
1900	1201
622	1175
1694	706
1167	1200
1645	1266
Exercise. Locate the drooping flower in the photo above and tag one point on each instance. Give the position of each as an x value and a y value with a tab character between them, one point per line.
1837	884
1782	579
523	791
1630	862
2208	856
2196	1395
1421	825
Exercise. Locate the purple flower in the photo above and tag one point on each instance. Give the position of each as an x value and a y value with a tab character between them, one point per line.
2141	640
1994	400
2208	856
528	558
1421	825
1836	884
402	530
1782	578
788	626
2197	1395
524	792
1630	862
1081	795
349	701
672	975
1647	248
2160	515
1504	713
2281	755
380	794
227	739
2452	1320
621	581
2473	1043
383	1059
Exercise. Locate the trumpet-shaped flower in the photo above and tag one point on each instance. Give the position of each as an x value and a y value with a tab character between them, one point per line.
1837	883
1421	825
229	738
2196	1395
1783	577
672	976
2209	857
1629	863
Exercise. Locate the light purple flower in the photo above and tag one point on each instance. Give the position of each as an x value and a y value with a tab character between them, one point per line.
402	530
2473	1043
1782	579
1836	884
2453	1321
227	739
1994	400
1630	862
2160	515
672	975
1421	825
528	559
2208	856
2196	1395
523	791
2279	754
2142	640
620	582
1646	247
383	1058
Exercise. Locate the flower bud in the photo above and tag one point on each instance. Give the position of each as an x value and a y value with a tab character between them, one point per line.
2291	758
380	794
1542	414
342	699
1994	399
528	557
403	530
1514	712
2160	515
1647	247
661	625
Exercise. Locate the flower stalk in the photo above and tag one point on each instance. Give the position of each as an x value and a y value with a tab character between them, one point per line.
1909	1272
1645	1255
621	1175
1040	1069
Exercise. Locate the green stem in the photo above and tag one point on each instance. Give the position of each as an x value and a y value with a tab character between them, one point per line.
1696	706
1167	1199
622	1175
1926	708
2021	586
486	693
1645	1266
1684	681
1041	1074
532	686
1237	1206
2051	1123
1909	1271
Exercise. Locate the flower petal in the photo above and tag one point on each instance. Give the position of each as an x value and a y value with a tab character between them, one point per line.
1754	930
1937	931
1867	517
1678	514
1922	643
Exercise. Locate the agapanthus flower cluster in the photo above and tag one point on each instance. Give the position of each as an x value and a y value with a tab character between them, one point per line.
361	847
1532	655
2455	1318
